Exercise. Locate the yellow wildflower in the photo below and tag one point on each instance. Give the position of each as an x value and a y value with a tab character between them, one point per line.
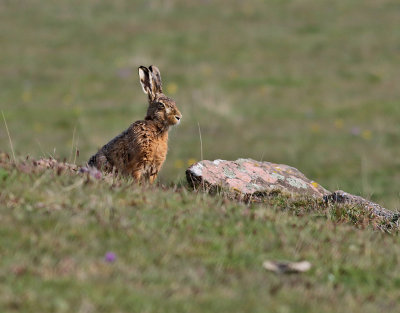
207	70
315	128
191	161
37	127
366	134
178	163
339	123
172	88
26	95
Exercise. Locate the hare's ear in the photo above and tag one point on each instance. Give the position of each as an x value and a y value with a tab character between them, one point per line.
145	81
155	79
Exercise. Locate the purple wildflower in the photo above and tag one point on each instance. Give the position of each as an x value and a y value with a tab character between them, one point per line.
110	257
97	175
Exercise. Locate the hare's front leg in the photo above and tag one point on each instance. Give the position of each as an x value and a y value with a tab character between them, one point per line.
137	175
152	178
156	169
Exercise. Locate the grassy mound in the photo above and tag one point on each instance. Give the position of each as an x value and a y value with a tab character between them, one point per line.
174	250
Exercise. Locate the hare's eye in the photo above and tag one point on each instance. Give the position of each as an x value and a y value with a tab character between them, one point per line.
161	106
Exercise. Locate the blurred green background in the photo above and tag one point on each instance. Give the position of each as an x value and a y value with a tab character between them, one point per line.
310	83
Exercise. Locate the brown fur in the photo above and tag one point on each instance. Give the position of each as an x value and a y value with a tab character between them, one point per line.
140	151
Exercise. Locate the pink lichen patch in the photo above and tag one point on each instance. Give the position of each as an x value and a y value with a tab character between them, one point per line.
213	176
243	176
259	171
272	177
238	184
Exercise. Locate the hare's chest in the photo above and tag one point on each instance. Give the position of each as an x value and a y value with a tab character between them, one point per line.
158	153
155	155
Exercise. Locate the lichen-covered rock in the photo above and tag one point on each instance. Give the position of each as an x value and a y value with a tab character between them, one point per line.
250	177
342	197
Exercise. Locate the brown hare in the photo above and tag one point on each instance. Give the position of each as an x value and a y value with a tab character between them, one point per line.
140	151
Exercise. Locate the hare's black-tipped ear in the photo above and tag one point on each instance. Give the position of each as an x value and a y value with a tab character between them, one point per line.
155	79
145	81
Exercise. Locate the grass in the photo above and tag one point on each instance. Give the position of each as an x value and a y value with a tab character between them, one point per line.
306	83
180	251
